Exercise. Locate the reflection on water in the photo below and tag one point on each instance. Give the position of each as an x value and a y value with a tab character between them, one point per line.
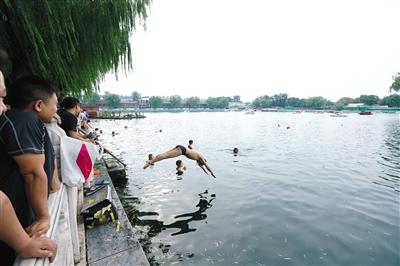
157	226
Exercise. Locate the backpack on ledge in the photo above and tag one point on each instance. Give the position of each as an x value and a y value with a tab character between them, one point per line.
99	209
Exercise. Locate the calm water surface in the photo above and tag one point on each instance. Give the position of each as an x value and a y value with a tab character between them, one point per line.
324	192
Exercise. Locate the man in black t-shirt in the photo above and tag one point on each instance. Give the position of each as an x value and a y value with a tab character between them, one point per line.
26	153
69	114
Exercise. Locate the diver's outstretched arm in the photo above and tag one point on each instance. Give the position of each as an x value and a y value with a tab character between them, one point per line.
202	168
209	169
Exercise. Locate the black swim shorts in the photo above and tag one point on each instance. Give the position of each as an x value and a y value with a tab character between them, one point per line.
183	149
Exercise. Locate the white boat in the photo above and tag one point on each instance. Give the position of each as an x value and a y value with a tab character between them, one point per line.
249	112
338	114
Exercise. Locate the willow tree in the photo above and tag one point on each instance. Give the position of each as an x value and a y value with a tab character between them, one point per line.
72	42
396	83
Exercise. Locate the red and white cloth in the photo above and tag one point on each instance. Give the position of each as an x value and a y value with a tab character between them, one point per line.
77	160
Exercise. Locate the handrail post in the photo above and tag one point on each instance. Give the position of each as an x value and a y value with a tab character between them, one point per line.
72	196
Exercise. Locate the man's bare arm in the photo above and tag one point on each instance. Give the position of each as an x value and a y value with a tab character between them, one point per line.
76	135
202	168
55	183
209	169
35	178
14	235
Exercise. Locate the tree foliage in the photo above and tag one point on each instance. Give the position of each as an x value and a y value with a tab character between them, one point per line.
367	99
391	100
92	98
262	102
317	102
113	100
344	101
279	100
218	102
72	42
175	101
193	101
295	102
155	101
136	96
396	83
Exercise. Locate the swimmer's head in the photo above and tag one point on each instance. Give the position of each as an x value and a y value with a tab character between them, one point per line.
178	163
235	150
151	156
191	142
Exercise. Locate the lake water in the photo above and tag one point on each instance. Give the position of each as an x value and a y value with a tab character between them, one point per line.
326	191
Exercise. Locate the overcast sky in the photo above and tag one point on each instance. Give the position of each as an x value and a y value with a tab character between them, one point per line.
251	48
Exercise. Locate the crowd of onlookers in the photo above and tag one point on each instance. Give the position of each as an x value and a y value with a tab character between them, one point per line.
28	162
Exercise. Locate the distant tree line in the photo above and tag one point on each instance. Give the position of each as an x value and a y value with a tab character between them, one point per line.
282	100
112	100
176	101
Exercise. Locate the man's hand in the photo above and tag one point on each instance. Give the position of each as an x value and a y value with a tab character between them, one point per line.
58	118
148	163
39	227
41	247
91	141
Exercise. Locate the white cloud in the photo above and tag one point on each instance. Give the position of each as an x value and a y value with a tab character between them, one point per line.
256	47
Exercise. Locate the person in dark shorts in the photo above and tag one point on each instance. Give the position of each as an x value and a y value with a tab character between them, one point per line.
181	150
26	154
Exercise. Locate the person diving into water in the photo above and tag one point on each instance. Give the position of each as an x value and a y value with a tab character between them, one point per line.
181	150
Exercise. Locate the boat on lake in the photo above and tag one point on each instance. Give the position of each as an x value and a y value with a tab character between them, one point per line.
249	112
269	110
365	113
338	114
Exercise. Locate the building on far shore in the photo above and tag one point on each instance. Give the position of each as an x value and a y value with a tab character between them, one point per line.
237	105
355	105
363	107
144	102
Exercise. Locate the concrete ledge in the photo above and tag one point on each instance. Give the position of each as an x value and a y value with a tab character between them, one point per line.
106	246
